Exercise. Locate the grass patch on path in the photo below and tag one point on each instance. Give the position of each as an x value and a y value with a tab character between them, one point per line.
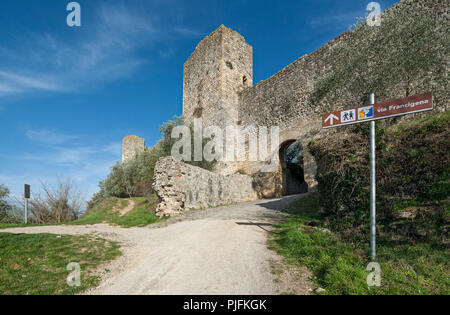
36	264
340	267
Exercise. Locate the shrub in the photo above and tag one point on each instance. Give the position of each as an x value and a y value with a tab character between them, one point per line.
62	204
5	207
133	178
167	143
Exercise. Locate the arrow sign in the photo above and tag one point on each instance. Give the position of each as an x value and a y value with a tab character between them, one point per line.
331	118
403	106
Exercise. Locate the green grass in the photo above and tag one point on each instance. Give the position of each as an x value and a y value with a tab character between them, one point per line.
340	267
14	225
36	264
107	212
19	225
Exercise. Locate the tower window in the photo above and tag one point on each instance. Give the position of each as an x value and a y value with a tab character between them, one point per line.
244	80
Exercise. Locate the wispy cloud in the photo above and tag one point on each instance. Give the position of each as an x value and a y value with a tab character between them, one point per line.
15	82
48	136
186	32
107	51
59	149
70	155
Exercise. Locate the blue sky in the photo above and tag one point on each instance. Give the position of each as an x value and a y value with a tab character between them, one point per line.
69	95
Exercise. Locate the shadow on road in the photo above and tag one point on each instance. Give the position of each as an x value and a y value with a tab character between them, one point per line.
251	223
281	204
260	225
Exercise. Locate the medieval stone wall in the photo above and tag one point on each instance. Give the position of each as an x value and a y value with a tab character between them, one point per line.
181	187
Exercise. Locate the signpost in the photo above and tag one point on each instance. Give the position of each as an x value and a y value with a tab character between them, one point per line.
26	196
371	113
403	106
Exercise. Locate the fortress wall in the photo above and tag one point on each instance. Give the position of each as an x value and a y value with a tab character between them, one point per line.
181	187
286	98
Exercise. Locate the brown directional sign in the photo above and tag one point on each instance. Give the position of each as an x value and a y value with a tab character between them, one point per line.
403	106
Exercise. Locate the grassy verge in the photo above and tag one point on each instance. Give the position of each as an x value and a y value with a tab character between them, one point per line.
19	225
14	225
36	264
108	211
340	267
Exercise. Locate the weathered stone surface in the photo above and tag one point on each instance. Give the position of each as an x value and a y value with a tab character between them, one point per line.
132	146
181	187
220	67
268	185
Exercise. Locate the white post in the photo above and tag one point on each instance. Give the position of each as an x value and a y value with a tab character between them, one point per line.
372	187
26	210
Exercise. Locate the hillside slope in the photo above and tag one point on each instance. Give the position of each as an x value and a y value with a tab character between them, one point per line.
125	212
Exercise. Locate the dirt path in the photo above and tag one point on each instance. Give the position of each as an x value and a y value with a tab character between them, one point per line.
215	251
130	206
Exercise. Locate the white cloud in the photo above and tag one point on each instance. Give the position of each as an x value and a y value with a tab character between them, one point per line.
106	50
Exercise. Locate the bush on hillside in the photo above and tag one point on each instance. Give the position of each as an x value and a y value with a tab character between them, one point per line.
133	178
167	143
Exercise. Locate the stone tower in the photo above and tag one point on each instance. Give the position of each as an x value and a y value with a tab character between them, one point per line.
132	146
220	67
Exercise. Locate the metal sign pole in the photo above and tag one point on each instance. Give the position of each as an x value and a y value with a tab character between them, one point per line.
26	210
372	187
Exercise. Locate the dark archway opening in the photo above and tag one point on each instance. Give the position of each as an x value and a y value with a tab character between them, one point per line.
293	177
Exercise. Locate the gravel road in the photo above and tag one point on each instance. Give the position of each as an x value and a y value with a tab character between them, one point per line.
215	251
